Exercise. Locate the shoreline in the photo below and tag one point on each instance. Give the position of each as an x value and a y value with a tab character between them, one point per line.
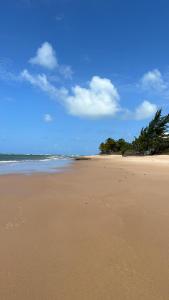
98	231
63	169
155	159
28	167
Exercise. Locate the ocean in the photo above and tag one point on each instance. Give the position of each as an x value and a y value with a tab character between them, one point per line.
29	163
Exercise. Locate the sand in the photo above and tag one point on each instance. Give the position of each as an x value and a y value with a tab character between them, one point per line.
98	231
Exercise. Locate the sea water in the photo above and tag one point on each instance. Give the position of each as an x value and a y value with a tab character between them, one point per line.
28	164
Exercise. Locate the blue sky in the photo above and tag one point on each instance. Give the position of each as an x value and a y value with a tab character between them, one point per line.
75	72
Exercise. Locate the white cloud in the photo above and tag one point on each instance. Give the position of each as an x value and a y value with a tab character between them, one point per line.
100	99
42	82
48	118
145	110
45	57
153	80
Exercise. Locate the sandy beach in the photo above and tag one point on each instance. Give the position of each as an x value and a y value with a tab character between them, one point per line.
97	231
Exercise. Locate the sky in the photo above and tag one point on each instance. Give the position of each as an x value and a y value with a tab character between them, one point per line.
75	72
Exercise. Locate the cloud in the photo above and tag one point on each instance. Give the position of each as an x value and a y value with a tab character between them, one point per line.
48	118
41	81
100	99
153	80
145	110
45	57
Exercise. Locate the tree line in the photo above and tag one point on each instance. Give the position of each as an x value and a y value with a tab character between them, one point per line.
153	139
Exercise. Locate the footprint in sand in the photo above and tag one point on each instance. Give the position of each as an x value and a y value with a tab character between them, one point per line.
10	225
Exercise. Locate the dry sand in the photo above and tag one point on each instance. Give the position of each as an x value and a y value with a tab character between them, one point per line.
99	231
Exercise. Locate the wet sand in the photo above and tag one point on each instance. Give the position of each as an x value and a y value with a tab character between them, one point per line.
99	231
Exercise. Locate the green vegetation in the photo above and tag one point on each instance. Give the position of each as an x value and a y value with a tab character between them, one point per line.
153	139
112	146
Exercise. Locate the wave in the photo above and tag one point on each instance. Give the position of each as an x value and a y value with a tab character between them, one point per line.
14	158
8	161
50	164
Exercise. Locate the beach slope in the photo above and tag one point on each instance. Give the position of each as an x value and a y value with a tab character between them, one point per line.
98	231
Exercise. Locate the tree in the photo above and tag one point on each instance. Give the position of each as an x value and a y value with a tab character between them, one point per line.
154	138
108	147
112	146
102	148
